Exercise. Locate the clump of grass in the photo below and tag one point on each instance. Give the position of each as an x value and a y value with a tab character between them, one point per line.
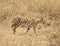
28	24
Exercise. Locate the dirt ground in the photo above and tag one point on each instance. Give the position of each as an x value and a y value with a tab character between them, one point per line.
47	31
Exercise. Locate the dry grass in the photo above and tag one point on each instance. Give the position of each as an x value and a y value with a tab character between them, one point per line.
48	30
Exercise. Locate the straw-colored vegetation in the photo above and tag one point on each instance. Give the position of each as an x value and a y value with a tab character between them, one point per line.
30	11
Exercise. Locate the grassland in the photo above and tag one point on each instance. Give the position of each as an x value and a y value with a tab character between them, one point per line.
47	32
